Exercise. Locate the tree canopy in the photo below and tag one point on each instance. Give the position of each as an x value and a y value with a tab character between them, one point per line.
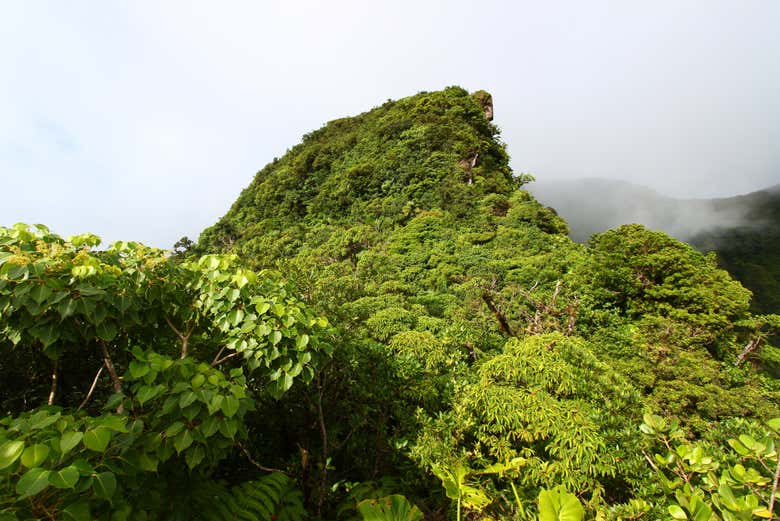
473	358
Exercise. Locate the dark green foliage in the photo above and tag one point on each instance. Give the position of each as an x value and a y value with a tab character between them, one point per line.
269	498
751	251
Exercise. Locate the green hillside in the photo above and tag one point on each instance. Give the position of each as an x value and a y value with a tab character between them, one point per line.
384	312
471	330
751	251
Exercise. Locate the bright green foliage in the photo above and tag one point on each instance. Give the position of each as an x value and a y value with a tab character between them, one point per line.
688	472
644	273
547	400
469	344
129	308
471	331
390	508
559	505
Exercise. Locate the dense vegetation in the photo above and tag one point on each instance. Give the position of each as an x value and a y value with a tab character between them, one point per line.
475	363
751	251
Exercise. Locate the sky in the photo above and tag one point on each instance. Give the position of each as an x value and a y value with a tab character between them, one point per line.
144	120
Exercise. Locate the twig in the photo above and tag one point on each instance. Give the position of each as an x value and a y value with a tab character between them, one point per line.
749	348
324	435
53	390
227	357
497	312
112	372
256	464
774	490
184	337
92	388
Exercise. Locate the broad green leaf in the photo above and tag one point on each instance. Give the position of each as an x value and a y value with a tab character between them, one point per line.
262	307
174	429
677	513
69	440
138	369
197	381
391	508
146	393
276	337
64	478
302	342
40	293
35	455
182	441
195	456
33	482
77	512
106	330
187	398
230	406
97	439
559	505
148	462
104	485
10	452
46	333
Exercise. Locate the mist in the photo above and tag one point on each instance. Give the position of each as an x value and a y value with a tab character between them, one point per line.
596	205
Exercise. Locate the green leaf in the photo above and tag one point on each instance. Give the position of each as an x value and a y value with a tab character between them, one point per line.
559	505
33	482
138	369
97	439
230	406
104	485
197	381
10	452
182	441
148	462
187	398
146	393
40	293
677	513
69	440
194	457
64	478
391	508
77	512
262	307
35	455
66	308
46	333
302	342
106	330
276	337
174	429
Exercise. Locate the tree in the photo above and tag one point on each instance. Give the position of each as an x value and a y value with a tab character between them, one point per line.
198	341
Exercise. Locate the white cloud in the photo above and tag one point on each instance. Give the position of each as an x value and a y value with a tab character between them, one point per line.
145	120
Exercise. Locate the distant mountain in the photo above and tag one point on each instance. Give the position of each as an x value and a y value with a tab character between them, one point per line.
744	230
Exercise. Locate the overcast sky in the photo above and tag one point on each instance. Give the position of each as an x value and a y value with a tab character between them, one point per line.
143	120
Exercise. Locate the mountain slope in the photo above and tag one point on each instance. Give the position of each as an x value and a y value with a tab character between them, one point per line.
469	330
743	230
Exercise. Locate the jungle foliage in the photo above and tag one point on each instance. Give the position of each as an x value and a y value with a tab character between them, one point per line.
475	363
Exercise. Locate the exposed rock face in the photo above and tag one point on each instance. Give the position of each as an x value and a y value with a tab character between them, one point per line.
485	99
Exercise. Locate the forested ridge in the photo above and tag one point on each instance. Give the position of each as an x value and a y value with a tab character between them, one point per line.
385	325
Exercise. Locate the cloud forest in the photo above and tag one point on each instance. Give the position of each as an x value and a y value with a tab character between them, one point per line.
384	326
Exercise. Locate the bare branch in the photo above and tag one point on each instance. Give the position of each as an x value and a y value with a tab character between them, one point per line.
227	357
53	390
112	371
751	346
92	388
256	464
774	490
